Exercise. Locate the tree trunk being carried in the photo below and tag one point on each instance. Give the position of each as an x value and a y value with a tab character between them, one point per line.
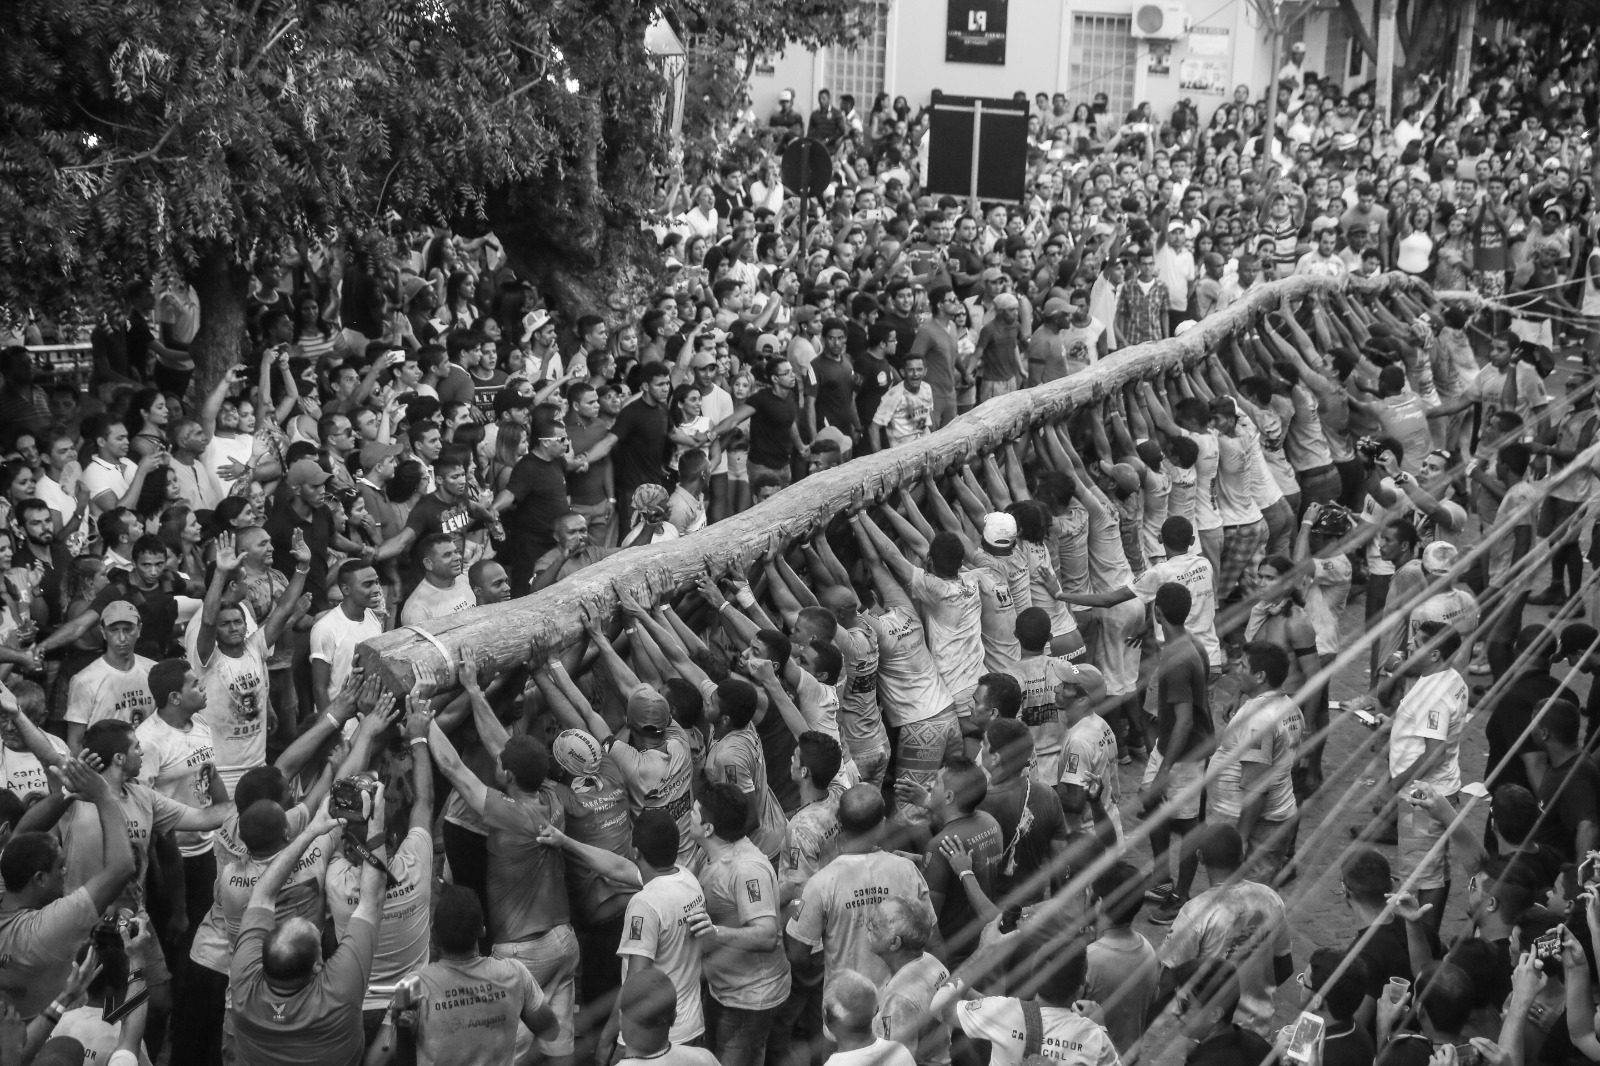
553	619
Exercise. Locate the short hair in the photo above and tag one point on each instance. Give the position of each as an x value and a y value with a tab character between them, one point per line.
966	780
349	568
1446	997
947	551
737	701
779	646
1562	719
1005	691
1405	532
821	620
108	738
1442	637
1033	629
1267	658
1367	876
849	1001
820	757
652	371
262	782
692	465
149	544
655	837
1221	847
861	809
1065	966
1010	740
687	705
263	825
830	663
1177	532
26	855
1516	457
1342	995
433	540
1120	890
457	919
907	919
725	808
291	953
1174	601
527	760
1515	812
166	680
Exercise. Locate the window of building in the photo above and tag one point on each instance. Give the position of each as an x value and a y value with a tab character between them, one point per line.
859	71
1100	59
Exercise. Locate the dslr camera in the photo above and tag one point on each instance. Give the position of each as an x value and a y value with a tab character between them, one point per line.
352	798
1369	448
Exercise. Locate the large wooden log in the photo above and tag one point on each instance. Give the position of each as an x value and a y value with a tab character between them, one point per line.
552	619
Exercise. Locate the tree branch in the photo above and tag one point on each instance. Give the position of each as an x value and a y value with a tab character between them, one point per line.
1358	30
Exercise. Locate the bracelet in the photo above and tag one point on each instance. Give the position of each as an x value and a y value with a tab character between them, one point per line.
414	741
966	873
333	721
724	606
53	1012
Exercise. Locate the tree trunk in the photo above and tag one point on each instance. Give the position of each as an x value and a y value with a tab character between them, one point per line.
552	619
222	284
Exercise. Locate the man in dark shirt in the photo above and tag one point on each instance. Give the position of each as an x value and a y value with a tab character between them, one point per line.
535	496
590	489
306	511
1032	848
827	121
1443	1008
1185	738
1569	791
1367	883
874	376
974	837
447	509
637	443
1206	994
899	318
836	383
786	118
1524	694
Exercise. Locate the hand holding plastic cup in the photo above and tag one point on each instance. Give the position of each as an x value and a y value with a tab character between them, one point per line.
1397	989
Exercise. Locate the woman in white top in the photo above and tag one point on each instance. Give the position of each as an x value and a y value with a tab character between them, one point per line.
701	219
1413	244
314	338
458	311
691	426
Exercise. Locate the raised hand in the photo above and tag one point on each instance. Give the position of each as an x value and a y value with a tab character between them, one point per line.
300	549
418	719
466	673
228	556
79	779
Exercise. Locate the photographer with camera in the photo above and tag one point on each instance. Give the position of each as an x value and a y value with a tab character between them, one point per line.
289	1005
403	934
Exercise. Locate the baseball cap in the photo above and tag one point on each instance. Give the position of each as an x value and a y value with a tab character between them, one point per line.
1439	557
536	321
1225	405
376	451
1062	672
807	313
509	399
991	274
1007	300
307	472
703	358
118	611
999	529
1056	306
1091	680
648	713
410	287
787	94
769	343
648	999
576	752
1177	224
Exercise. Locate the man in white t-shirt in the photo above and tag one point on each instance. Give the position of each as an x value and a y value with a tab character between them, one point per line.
1060	1033
443	590
231	660
111	478
849	1011
114	685
27	749
336	634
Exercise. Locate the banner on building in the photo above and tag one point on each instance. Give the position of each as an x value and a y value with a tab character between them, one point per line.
1160	62
976	32
1209	76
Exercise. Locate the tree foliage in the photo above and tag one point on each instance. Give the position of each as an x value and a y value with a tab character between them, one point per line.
198	137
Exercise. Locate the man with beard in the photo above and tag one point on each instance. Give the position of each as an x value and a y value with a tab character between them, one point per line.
442	590
231	662
45	558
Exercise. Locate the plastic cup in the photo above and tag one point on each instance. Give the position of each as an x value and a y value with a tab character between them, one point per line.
1397	989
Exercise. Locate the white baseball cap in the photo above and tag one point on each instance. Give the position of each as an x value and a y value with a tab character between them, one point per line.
999	529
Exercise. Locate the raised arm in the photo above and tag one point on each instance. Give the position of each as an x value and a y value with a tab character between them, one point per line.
272	879
117	863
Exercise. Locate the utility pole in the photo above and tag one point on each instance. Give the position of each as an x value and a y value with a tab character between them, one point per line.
1387	37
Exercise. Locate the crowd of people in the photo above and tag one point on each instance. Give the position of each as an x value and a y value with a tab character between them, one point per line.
866	802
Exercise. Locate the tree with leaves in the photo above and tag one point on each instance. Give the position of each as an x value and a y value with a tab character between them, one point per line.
200	139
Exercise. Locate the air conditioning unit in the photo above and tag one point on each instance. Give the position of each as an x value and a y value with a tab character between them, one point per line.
1160	21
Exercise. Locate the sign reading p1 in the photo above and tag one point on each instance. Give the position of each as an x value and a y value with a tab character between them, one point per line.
976	32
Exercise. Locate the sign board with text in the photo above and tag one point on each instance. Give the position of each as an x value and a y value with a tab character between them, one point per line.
976	32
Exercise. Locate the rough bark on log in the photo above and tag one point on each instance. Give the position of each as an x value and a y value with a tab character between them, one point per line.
553	619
